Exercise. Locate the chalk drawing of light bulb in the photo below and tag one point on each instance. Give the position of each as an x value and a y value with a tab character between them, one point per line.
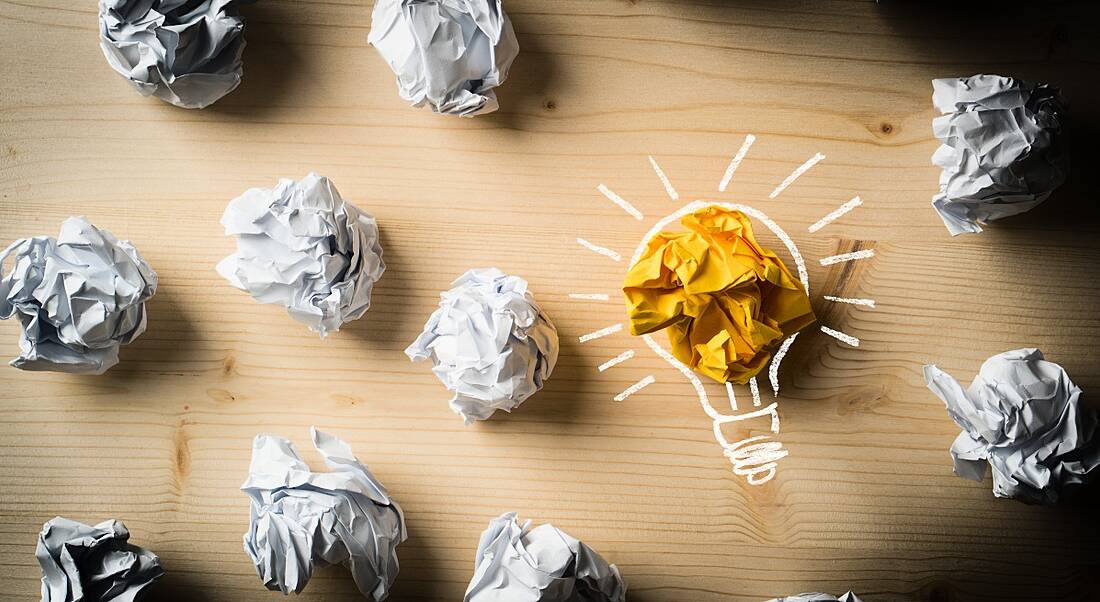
755	458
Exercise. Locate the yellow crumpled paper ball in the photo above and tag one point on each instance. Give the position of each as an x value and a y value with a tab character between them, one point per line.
726	301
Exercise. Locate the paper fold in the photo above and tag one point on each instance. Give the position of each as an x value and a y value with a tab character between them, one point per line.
302	519
447	54
78	297
818	597
489	342
1003	148
726	302
300	245
1022	416
516	563
81	563
184	53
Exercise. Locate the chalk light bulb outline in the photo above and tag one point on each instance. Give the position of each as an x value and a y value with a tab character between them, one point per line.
757	457
754	457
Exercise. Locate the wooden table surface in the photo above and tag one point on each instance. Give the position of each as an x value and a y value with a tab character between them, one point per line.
866	499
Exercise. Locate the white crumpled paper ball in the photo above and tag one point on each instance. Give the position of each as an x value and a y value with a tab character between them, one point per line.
490	343
1022	416
518	564
1003	149
78	297
93	564
448	54
301	246
186	52
818	597
302	519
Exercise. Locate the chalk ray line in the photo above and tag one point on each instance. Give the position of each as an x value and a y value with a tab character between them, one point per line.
840	336
603	332
797	173
836	214
755	388
735	162
672	194
634	388
854	255
615	361
851	301
590	296
621	202
732	397
598	249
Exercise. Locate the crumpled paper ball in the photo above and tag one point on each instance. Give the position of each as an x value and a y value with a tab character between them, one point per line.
726	301
1022	416
448	54
490	343
1003	149
301	246
302	519
819	597
186	52
518	564
93	564
78	297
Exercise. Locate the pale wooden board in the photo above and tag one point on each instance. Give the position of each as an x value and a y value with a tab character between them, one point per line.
866	499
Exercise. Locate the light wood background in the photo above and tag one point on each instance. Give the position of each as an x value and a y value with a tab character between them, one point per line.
866	500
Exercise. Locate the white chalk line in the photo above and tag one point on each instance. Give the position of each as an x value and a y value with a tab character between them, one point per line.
672	194
735	162
755	388
773	370
598	249
750	458
836	214
621	202
840	336
618	359
796	174
590	296
770	410
851	301
732	397
854	255
688	374
603	332
634	388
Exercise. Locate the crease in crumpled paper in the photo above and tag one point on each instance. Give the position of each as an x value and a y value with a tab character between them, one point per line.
81	563
78	297
302	519
447	54
818	597
1003	148
516	563
726	301
187	53
1023	417
489	342
300	245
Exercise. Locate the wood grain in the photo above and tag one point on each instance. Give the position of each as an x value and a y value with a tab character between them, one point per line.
866	499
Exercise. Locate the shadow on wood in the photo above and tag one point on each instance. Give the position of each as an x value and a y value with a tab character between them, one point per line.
533	85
